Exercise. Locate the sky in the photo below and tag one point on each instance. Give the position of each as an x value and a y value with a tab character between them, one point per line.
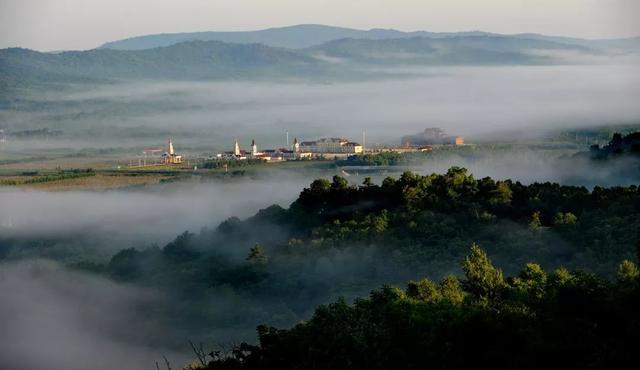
85	24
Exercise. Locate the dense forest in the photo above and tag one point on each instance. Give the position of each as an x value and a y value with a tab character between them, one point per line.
618	145
535	319
340	240
337	241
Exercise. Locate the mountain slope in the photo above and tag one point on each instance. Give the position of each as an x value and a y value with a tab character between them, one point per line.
455	50
309	35
189	61
631	44
215	60
295	37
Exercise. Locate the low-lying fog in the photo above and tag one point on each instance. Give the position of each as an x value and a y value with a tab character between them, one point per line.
158	213
476	102
528	166
51	318
154	214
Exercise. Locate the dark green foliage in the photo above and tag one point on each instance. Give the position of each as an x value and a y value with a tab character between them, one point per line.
257	256
483	280
535	222
337	239
216	164
181	248
617	146
571	320
379	159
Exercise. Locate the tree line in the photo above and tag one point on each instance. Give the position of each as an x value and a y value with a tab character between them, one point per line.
535	319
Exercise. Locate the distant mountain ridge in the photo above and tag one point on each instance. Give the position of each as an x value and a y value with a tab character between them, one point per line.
453	50
293	37
196	60
335	59
310	35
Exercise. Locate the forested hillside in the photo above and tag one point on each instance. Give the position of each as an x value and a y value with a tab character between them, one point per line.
342	240
193	60
533	320
216	60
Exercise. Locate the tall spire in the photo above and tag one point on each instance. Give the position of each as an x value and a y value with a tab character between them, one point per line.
254	147
236	148
171	151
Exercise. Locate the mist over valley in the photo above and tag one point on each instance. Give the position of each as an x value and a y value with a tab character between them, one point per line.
168	198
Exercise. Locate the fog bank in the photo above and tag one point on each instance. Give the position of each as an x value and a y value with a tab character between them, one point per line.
153	214
470	101
52	318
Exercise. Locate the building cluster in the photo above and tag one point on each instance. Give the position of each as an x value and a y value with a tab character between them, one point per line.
430	136
322	148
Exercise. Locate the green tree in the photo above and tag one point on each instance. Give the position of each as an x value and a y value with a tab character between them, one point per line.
561	276
567	218
257	255
502	194
627	272
339	183
531	281
535	223
451	290
320	186
424	290
483	280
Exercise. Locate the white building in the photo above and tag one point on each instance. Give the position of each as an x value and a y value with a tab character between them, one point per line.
331	145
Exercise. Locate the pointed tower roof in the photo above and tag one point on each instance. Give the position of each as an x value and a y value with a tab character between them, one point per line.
171	151
236	148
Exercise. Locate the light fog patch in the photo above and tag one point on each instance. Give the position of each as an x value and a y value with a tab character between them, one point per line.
528	166
154	214
468	101
52	318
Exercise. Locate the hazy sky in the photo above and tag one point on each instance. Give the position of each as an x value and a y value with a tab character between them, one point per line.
85	24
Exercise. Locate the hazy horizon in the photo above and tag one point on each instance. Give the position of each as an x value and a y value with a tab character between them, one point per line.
79	25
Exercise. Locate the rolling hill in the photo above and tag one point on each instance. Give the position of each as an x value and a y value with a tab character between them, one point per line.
454	50
195	60
294	37
310	35
337	59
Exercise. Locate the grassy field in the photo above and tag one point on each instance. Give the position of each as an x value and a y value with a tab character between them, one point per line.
106	173
98	182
